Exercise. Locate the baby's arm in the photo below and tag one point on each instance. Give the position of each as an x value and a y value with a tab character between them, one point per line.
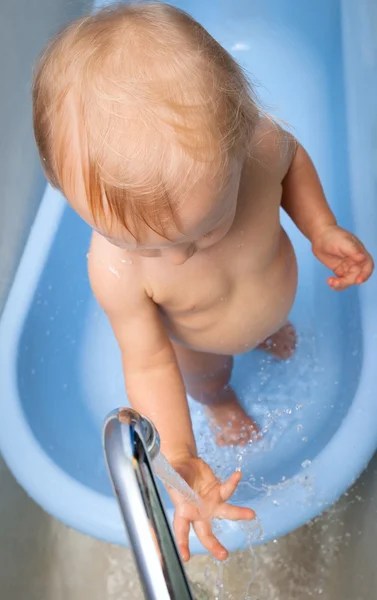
155	389
304	201
303	196
153	381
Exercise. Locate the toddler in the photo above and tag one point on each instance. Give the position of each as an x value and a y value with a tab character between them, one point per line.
152	132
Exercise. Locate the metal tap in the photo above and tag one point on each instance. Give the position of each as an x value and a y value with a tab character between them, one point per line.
130	443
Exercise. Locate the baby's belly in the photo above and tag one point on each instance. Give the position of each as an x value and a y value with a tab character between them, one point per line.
255	309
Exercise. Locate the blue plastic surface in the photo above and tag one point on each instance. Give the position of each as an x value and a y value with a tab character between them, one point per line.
60	368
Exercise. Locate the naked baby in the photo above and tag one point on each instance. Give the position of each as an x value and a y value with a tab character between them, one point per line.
152	132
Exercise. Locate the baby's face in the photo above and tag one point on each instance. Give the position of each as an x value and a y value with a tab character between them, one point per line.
205	215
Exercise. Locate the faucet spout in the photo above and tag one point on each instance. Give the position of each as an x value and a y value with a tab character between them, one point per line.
130	443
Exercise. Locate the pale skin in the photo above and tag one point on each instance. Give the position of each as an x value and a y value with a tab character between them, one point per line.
181	308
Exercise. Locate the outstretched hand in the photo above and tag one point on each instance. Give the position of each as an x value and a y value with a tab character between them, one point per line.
345	255
213	504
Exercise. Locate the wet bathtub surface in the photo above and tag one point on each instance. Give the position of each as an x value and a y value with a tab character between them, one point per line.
61	366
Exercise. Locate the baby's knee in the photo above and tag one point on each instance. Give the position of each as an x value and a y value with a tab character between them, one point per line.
211	382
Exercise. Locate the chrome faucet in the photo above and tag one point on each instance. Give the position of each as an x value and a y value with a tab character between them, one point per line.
130	443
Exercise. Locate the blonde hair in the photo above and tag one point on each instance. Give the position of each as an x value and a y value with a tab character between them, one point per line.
150	101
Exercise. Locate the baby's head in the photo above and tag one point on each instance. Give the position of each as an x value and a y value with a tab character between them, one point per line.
143	121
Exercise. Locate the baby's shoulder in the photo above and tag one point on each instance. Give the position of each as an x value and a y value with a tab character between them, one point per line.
115	281
272	147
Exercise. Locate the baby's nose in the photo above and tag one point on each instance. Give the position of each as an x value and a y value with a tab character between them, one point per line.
181	253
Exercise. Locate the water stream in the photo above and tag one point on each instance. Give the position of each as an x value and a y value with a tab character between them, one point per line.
170	478
252	530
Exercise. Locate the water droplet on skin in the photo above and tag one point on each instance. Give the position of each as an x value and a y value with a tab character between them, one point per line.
126	261
88	255
113	270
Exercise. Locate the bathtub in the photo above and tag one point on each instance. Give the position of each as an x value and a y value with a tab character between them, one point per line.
60	368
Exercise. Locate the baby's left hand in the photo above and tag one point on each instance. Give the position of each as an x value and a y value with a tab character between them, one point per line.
345	255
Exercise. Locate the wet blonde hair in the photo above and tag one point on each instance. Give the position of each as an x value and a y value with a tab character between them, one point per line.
141	101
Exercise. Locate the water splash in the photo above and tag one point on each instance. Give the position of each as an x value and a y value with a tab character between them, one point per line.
219	576
280	396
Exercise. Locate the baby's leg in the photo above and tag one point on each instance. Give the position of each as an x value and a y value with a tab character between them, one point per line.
206	378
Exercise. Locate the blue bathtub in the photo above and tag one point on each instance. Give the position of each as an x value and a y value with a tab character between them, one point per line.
60	370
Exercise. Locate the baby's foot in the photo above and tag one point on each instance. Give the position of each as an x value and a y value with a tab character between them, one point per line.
282	344
231	424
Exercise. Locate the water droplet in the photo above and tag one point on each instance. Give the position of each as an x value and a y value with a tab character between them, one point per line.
306	463
299	428
113	270
304	439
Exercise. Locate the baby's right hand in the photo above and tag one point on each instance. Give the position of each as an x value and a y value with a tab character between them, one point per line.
213	495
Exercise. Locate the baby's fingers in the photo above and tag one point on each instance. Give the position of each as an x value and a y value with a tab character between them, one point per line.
205	535
235	513
182	530
339	284
228	488
366	270
352	247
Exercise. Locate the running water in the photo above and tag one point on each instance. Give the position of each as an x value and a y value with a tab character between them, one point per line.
170	478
